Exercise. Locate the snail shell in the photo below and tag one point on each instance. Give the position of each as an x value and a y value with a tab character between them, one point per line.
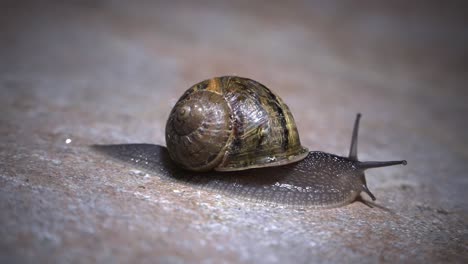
232	123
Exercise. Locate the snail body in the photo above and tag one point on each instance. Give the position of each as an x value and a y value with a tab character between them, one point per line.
245	169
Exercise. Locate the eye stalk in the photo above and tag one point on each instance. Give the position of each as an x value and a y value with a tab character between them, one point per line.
364	165
354	139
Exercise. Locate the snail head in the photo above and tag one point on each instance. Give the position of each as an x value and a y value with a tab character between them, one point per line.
364	165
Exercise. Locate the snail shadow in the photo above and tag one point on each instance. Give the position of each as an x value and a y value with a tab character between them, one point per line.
156	159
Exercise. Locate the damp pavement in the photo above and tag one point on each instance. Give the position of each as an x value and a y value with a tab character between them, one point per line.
108	72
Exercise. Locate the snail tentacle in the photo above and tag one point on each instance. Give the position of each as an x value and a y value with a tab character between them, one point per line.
364	165
354	139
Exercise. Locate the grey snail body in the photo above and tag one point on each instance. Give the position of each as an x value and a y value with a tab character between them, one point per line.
288	175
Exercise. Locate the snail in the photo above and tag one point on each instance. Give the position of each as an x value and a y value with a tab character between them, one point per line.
233	135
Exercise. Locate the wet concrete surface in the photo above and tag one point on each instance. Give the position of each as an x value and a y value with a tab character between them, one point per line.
109	72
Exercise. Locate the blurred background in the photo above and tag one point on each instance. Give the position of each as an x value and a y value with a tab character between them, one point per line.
109	72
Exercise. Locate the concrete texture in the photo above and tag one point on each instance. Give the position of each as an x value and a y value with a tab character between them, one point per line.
108	72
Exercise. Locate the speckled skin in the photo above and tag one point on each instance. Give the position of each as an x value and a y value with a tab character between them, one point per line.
232	123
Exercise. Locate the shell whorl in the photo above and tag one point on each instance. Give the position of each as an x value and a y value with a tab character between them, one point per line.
198	129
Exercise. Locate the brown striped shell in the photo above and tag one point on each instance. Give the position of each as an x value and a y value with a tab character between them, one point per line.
232	123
